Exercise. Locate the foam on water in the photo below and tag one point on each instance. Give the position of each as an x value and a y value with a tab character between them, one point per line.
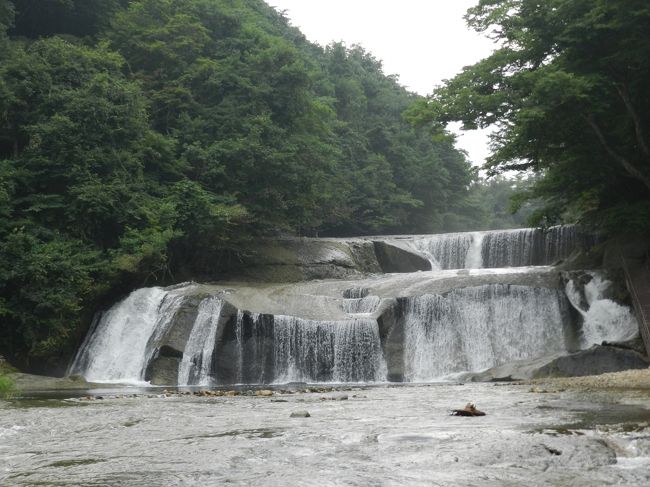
602	318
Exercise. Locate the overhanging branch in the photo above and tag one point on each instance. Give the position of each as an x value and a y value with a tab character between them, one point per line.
630	168
625	96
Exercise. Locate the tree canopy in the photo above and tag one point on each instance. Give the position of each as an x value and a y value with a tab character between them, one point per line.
142	138
568	89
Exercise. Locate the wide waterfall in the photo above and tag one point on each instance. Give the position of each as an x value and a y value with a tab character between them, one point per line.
480	327
414	326
500	248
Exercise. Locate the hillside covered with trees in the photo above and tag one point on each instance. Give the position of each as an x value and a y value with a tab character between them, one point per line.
138	137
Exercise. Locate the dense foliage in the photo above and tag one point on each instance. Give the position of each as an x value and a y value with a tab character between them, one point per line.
569	91
142	137
7	385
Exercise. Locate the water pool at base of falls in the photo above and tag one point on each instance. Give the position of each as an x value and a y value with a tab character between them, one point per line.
388	436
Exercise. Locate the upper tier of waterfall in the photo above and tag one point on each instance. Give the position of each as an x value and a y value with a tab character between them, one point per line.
499	248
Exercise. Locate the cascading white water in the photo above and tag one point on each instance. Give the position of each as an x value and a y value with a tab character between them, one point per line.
466	329
512	248
120	346
499	248
361	306
445	251
474	258
602	318
476	328
196	364
356	293
327	351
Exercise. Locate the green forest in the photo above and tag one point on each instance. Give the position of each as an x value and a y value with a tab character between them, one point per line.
144	136
568	90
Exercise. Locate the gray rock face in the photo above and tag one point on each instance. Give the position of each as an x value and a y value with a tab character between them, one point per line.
163	371
392	258
304	259
176	337
594	361
300	259
597	360
300	414
392	339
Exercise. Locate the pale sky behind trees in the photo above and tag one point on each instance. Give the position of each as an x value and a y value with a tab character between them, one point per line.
422	41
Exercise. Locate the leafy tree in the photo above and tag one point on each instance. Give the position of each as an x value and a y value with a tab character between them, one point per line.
569	90
144	140
42	18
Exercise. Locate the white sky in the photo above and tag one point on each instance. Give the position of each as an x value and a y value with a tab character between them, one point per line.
422	41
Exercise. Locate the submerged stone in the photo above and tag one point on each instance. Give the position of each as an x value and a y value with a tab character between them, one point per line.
300	414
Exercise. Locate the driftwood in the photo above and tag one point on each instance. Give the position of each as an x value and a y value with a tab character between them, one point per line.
468	410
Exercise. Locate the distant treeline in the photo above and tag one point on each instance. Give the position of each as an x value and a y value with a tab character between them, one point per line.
141	137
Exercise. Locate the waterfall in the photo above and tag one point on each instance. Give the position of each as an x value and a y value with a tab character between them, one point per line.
356	293
329	333
602	319
500	248
254	342
474	258
361	306
445	251
196	364
120	346
327	351
476	328
281	349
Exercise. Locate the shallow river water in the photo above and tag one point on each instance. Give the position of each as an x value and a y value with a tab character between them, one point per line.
379	435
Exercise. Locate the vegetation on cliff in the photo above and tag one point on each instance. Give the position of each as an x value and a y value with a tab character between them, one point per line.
142	137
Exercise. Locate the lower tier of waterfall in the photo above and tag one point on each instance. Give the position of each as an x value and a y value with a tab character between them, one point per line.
476	328
205	335
257	349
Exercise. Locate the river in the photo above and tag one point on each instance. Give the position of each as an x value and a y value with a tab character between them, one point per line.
380	435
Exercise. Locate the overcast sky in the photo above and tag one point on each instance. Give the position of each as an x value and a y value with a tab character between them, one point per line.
422	41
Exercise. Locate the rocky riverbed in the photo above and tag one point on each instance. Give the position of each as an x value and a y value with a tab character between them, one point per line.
326	435
626	380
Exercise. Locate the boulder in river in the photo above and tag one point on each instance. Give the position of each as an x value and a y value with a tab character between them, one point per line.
300	414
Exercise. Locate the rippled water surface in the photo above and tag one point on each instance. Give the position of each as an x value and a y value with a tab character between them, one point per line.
378	436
